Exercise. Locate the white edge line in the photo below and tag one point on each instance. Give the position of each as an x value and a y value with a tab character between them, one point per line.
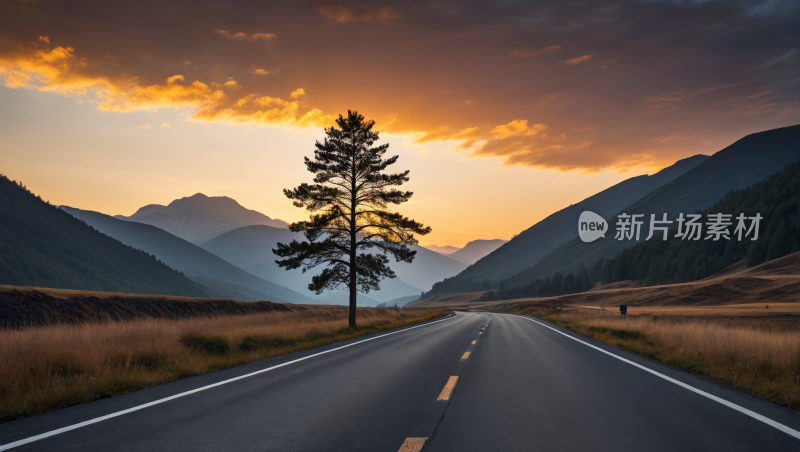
183	394
743	410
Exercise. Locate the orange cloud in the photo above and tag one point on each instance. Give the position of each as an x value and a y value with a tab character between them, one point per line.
244	37
266	110
466	121
517	127
144	126
343	14
578	60
528	52
165	125
59	70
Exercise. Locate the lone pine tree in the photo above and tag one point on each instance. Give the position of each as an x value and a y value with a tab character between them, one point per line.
353	231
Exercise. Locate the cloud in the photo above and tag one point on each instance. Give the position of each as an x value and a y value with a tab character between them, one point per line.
58	70
266	110
603	64
343	14
578	60
244	37
681	95
264	72
297	93
165	125
231	84
663	103
517	127
144	126
528	52
413	69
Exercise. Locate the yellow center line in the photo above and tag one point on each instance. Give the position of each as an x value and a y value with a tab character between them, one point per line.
412	445
448	388
473	342
466	355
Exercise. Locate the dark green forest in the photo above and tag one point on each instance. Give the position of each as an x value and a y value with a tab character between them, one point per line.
44	246
675	260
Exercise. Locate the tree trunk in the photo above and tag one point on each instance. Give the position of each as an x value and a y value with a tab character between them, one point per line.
352	287
353	272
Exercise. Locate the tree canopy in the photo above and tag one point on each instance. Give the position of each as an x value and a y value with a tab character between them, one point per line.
350	231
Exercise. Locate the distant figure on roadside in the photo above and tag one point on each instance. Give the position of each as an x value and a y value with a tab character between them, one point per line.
623	310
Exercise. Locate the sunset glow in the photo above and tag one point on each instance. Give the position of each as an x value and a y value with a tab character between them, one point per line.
504	113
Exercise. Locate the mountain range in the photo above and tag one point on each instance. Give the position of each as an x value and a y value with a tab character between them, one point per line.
743	163
475	250
687	186
214	247
44	246
251	249
199	218
447	249
529	246
189	258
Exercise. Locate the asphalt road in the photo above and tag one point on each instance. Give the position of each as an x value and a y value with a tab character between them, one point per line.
512	385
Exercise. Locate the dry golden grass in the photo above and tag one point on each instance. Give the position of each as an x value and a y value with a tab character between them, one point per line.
774	317
753	357
773	282
48	367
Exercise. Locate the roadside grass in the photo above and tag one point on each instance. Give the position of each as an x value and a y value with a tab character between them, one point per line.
762	361
48	367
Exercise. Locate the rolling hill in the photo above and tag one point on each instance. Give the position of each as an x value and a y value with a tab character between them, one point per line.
187	257
199	217
533	244
44	246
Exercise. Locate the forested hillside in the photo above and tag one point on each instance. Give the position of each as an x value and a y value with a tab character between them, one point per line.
199	264
536	242
740	165
676	260
42	245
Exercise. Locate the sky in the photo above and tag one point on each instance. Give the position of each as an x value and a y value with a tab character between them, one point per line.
504	112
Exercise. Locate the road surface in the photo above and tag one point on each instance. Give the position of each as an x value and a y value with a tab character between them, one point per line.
474	381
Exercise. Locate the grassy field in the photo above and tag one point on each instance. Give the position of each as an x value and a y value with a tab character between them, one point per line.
752	355
54	366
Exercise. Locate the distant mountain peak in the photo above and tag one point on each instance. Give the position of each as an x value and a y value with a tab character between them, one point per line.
446	249
476	249
201	217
